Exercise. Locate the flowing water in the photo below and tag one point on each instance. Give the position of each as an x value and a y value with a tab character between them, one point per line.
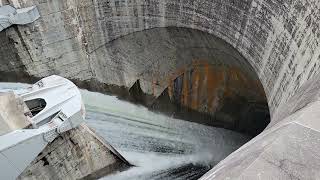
158	146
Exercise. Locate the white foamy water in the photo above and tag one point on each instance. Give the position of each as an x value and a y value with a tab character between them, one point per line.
158	146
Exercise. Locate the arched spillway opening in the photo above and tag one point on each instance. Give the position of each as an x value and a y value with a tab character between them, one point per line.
279	38
187	74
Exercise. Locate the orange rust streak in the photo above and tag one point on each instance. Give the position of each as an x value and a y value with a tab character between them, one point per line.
195	88
207	81
185	91
215	79
170	89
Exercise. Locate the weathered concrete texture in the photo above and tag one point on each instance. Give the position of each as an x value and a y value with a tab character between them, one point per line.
228	95
12	111
279	38
186	63
53	46
77	154
288	149
160	63
83	40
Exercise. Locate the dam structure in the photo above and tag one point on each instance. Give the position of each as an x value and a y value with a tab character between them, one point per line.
248	66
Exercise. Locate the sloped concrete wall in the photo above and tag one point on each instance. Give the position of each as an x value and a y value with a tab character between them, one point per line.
77	154
287	149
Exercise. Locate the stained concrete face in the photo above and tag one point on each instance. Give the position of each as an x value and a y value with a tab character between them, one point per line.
206	78
280	39
287	149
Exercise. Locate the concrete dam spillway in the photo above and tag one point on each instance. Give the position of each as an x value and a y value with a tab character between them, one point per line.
232	64
181	150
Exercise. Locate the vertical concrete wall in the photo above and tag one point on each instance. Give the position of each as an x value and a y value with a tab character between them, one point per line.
50	46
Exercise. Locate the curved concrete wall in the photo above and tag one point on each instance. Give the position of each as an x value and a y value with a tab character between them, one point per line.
208	81
280	39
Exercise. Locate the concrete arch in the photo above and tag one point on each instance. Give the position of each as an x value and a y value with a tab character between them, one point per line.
207	79
280	39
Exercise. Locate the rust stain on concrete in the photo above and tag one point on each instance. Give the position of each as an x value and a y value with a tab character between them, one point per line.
204	87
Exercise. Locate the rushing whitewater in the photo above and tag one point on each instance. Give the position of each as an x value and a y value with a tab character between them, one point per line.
158	146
